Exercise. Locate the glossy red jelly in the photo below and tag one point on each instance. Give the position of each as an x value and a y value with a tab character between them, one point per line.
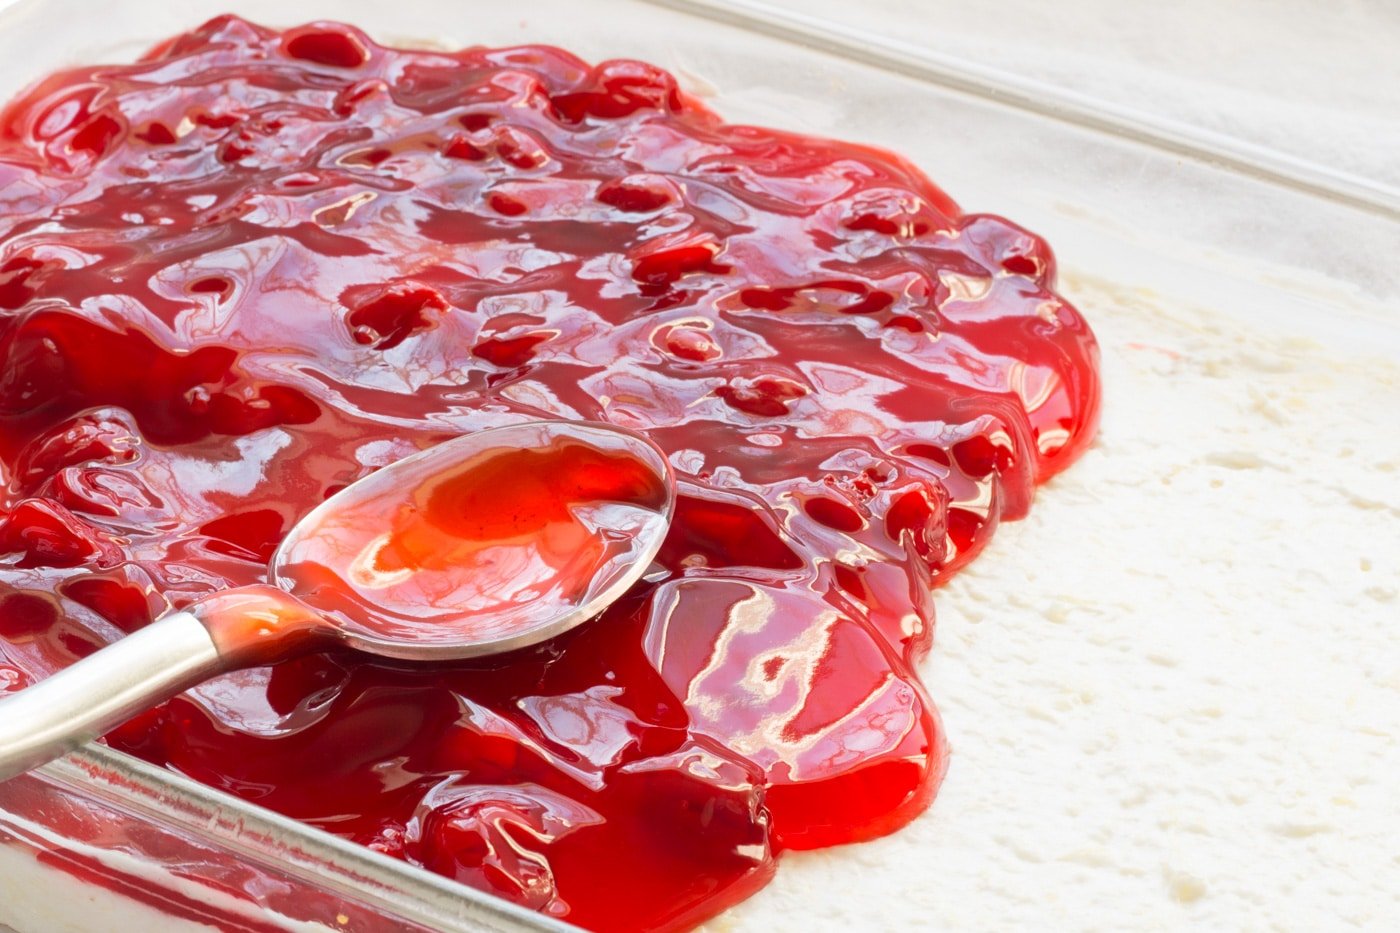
254	267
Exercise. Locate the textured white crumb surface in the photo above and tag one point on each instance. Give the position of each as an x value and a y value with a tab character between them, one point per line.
1172	693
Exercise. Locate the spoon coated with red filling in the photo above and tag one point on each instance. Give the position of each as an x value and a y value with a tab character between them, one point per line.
483	544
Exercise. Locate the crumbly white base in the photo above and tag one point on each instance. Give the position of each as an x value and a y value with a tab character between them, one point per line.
1173	693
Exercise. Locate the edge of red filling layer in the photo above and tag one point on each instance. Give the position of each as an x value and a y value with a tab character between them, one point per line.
255	266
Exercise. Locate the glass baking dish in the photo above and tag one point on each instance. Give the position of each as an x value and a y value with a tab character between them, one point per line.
176	855
1127	199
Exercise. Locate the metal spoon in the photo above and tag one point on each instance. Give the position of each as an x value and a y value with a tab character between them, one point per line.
480	545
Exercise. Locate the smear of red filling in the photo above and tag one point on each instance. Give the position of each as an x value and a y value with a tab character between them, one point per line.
252	268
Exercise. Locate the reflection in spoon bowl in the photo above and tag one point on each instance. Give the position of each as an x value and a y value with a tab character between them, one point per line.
485	548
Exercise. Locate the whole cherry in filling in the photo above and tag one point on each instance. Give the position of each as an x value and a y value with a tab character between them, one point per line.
256	267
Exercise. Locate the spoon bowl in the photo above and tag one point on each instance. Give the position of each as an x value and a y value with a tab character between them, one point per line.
509	537
484	544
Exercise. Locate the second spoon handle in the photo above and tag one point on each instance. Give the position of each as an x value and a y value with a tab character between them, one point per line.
79	703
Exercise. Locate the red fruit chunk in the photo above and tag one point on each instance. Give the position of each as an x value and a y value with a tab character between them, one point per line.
496	838
918	517
710	533
620	89
506	205
123	604
980	456
834	514
90	438
24	615
157	134
18	281
842	296
662	266
249	536
326	46
690	343
460	147
386	317
45	534
509	352
766	396
636	194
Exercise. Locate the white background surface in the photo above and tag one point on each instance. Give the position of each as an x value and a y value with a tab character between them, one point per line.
1318	80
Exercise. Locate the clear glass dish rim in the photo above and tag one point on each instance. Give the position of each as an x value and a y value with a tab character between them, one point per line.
305	853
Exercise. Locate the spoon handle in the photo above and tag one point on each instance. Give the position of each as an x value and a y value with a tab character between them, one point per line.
87	699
